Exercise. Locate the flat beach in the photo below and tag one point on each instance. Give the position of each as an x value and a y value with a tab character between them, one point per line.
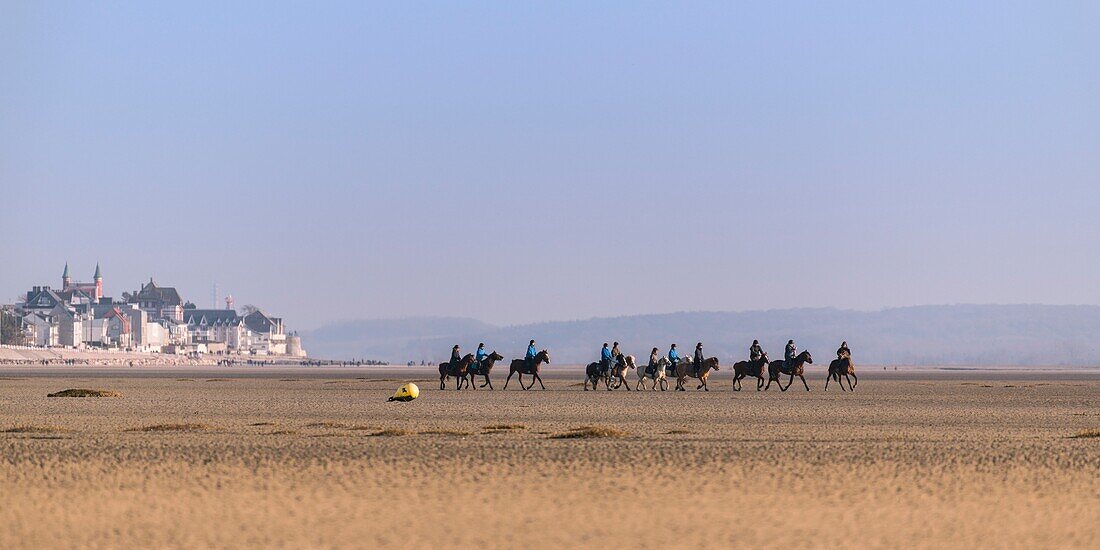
316	457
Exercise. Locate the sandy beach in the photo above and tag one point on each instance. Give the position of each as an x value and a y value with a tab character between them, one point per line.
219	457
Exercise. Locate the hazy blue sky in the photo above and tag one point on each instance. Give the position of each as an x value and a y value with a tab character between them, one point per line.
531	161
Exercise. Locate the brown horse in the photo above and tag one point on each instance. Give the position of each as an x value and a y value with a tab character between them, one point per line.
520	366
483	370
842	367
775	369
755	369
458	371
684	371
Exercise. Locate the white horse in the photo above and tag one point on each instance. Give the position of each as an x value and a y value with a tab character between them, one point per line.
618	374
657	378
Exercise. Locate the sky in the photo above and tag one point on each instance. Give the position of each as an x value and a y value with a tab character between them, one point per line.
520	162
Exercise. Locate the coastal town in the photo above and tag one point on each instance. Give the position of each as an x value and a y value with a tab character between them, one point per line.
151	319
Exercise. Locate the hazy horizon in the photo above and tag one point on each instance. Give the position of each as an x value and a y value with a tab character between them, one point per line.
526	163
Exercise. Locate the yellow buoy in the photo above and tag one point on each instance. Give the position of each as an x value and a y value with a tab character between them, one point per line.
408	392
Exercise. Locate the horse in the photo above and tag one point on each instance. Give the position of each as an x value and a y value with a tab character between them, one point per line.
458	371
483	370
755	369
684	371
520	366
594	372
842	366
775	369
658	375
618	371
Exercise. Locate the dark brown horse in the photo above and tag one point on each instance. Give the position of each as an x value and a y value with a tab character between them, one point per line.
483	370
684	371
458	371
520	366
775	370
842	367
756	369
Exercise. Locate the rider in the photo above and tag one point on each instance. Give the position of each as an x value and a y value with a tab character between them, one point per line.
789	355
652	367
480	355
605	358
755	351
697	362
531	353
456	356
673	357
843	351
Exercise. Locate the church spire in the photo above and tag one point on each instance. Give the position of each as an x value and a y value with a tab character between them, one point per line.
65	279
98	283
65	275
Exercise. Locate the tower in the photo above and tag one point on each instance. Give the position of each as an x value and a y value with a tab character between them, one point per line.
66	280
229	302
98	283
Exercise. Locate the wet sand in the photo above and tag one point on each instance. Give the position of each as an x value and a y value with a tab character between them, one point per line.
201	457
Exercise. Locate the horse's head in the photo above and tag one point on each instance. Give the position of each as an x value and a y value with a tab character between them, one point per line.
805	355
713	363
495	356
764	356
629	360
543	355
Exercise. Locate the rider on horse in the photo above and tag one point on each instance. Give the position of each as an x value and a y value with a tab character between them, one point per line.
531	353
755	351
673	357
697	362
789	355
605	359
456	356
651	368
480	355
843	351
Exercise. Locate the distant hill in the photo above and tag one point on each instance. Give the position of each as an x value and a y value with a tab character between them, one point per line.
924	335
397	340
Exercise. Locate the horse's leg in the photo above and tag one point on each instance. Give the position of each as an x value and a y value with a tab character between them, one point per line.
539	378
442	384
789	382
857	381
759	382
827	377
509	379
804	382
488	381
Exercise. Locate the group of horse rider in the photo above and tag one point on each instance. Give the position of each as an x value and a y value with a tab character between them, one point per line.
481	354
609	356
789	354
755	353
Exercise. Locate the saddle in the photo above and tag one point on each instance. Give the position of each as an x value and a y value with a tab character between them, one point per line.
651	369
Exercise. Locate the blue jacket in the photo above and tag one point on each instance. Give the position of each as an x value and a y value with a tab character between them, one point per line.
481	354
531	352
605	354
673	356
